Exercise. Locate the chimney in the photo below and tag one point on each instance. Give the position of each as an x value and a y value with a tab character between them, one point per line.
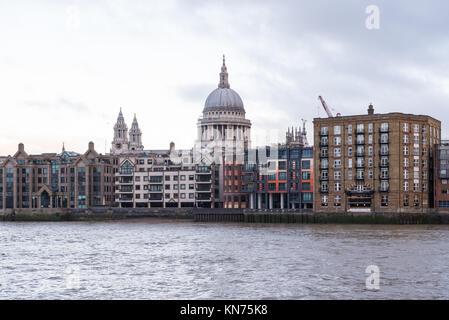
371	109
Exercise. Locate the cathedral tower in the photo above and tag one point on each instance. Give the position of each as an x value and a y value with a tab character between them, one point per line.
120	143
135	136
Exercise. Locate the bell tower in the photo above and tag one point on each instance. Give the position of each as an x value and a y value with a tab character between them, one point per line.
120	142
135	136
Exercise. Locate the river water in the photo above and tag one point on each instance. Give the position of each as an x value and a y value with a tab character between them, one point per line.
161	259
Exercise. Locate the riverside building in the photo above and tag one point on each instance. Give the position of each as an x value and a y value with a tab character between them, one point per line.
163	178
441	179
374	162
281	177
51	180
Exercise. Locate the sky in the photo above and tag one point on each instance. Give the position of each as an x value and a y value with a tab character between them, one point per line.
66	67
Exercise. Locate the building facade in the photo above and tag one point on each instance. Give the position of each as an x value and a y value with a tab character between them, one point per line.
50	180
163	178
441	177
374	162
224	134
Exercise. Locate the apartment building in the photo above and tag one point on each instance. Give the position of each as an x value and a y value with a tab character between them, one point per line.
51	180
374	162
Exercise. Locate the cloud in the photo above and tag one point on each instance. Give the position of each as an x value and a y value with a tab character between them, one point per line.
162	58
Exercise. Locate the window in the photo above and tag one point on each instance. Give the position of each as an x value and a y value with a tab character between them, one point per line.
384	201
405	186
405	138
405	150
306	186
360	128
324	200
349	139
384	127
416	128
306	164
370	128
324	130
337	175
405	127
405	174
405	162
337	152
350	151
337	129
337	164
127	168
350	163
337	141
337	186
406	200
337	201
349	128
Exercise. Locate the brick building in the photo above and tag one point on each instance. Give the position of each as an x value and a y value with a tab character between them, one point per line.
50	180
374	162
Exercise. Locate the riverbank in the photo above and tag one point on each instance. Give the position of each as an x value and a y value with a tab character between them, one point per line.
220	215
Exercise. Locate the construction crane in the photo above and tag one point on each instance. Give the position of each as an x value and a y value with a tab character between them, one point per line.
326	108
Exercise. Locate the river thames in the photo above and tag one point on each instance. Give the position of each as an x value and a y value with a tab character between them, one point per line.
163	259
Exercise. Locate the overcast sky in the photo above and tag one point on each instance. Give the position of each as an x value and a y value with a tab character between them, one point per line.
66	67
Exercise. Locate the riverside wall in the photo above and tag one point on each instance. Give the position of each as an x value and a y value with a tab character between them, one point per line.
220	215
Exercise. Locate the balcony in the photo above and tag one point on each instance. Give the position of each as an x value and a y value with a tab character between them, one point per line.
324	144
324	190
324	178
324	133
359	142
360	154
362	131
324	155
381	189
359	177
383	141
360	165
384	130
384	176
384	165
324	167
384	153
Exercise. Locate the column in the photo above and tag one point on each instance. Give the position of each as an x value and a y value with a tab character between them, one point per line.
282	200
251	203
270	201
259	201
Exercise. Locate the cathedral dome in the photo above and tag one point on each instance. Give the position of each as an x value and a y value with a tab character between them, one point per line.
223	98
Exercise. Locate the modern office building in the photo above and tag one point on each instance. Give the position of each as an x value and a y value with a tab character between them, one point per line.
278	176
50	180
374	162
